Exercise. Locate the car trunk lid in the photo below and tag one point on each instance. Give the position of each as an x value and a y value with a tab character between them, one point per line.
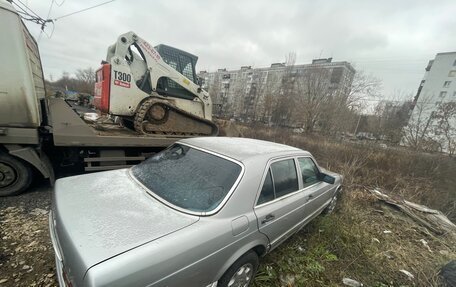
102	215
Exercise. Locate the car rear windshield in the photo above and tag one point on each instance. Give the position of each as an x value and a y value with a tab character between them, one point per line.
188	178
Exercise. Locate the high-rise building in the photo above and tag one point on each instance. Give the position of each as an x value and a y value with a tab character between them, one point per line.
246	94
436	92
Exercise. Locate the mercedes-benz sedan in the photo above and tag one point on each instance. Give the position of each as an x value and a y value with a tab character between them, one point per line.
199	213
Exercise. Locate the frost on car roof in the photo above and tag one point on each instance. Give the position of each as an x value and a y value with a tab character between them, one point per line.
239	148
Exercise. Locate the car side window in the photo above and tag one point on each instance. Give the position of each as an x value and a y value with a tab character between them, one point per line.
285	177
309	171
267	192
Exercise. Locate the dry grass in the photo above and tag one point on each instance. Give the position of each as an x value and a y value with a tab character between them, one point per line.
352	242
423	178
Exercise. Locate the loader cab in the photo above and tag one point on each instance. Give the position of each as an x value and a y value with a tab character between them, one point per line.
182	62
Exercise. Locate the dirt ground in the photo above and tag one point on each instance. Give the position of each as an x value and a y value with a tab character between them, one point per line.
26	254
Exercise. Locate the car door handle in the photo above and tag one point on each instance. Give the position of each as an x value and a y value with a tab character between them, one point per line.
268	218
310	197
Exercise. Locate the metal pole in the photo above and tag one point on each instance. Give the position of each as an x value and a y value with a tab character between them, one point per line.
357	125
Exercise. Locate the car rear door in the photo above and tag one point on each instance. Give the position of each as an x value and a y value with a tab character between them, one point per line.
281	202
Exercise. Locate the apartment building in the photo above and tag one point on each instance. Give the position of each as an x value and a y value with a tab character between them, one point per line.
246	94
437	88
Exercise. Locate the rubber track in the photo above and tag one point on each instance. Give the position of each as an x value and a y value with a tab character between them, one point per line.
147	104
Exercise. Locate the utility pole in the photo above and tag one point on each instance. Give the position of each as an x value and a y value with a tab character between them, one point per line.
357	125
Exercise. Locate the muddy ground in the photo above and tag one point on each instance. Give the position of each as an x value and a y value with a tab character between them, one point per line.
26	254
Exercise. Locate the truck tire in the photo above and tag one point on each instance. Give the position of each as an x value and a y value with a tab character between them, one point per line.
15	175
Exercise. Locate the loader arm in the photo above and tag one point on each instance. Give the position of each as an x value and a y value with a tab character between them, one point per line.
151	64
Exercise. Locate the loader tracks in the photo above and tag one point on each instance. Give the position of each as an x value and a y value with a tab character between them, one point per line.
158	117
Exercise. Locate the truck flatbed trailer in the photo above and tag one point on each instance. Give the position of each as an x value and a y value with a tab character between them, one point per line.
69	129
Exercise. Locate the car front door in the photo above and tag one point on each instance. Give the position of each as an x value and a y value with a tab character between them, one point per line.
280	204
318	191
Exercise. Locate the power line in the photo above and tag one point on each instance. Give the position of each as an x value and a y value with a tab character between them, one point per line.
28	9
25	15
63	1
47	17
37	19
85	9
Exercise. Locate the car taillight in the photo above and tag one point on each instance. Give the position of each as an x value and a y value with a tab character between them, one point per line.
65	279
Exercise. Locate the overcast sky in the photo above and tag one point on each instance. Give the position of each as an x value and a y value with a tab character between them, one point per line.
392	40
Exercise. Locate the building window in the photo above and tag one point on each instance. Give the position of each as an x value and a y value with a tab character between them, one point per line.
452	73
454	63
336	75
446	84
443	94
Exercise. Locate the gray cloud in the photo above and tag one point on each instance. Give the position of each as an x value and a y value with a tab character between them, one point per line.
393	40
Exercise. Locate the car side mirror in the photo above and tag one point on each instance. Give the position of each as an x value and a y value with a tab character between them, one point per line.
326	178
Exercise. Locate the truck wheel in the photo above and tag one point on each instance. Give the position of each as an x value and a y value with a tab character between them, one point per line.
15	175
242	272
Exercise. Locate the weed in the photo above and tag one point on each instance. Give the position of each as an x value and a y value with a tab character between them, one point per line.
351	242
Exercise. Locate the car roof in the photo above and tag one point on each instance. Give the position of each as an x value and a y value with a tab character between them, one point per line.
242	148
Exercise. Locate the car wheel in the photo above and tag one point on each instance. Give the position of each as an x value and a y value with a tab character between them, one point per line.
242	272
332	204
15	175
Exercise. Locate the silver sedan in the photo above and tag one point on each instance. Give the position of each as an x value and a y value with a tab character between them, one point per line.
199	213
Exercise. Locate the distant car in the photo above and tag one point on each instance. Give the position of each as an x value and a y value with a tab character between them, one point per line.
200	213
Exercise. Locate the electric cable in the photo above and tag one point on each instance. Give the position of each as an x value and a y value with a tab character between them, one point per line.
25	15
85	9
44	24
63	1
28	8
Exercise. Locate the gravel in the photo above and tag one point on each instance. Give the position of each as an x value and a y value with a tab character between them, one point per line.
26	254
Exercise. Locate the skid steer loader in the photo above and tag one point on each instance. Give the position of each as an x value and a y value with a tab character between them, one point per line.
153	90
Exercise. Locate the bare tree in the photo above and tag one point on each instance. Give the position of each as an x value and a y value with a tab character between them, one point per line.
284	102
418	132
314	93
445	117
391	117
84	81
266	104
219	102
361	88
86	78
290	59
347	96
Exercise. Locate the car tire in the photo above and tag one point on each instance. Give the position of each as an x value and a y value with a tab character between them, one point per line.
332	204
15	175
242	272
